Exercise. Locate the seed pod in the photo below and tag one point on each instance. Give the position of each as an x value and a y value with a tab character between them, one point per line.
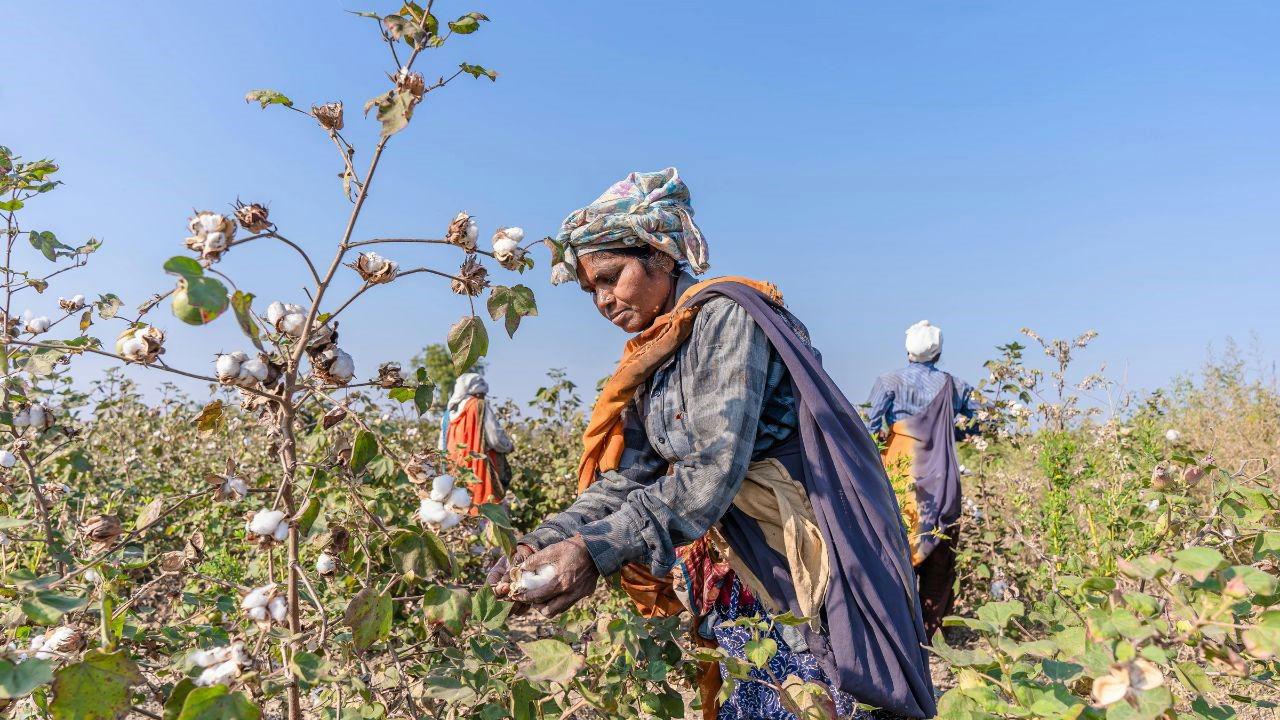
265	522
389	375
463	232
211	235
506	248
73	304
252	217
411	82
1161	477
1193	475
279	608
422	469
101	530
375	269
333	365
140	345
173	561
325	564
524	580
472	277
227	366
329	115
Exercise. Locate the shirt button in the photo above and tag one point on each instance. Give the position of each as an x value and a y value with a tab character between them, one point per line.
662	440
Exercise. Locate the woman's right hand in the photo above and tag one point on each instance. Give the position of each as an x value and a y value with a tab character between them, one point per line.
498	577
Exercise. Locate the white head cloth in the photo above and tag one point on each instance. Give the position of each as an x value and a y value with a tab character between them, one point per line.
467	385
924	342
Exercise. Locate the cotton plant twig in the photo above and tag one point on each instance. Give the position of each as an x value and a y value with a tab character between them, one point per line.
315	600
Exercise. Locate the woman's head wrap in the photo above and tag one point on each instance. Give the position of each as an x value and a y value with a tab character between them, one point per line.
467	385
644	208
924	342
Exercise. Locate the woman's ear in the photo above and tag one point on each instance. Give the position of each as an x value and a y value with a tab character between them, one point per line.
663	263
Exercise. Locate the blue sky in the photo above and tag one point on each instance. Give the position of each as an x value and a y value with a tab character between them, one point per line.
985	165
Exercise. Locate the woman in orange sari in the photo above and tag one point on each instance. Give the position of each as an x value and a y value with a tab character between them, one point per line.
473	438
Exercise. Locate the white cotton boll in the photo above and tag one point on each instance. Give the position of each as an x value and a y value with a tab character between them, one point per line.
293	324
22	418
37	325
258	597
282	532
441	487
473	230
238	654
325	564
77	300
279	608
212	656
237	487
1172	435
374	262
208	222
431	512
450	520
215	242
220	674
92	575
7	459
258	613
504	245
536	580
515	233
227	367
134	348
254	369
275	311
460	499
265	522
343	367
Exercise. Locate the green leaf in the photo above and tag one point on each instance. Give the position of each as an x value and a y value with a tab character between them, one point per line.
108	305
369	617
178	696
365	447
267	97
496	514
395	109
422	398
488	609
1267	543
446	606
449	689
1198	562
468	342
184	267
468	23
18	679
760	650
1194	677
10	523
511	304
1149	705
240	303
48	245
218	703
401	394
418	555
476	71
97	688
308	516
210	417
308	668
550	660
46	607
11	205
1000	613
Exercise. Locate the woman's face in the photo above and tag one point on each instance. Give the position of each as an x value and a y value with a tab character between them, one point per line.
626	293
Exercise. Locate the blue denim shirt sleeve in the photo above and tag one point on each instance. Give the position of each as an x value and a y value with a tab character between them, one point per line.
880	401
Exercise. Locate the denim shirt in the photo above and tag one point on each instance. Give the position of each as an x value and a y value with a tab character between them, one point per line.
906	391
722	400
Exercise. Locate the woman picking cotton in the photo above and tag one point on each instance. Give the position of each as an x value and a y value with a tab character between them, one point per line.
720	450
473	438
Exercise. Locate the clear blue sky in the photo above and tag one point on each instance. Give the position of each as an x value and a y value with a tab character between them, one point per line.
985	165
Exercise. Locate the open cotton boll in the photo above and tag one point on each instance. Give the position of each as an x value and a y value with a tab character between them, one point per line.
343	367
540	578
37	325
258	597
220	674
1172	435
504	245
254	369
293	324
441	487
212	656
431	511
237	487
450	519
133	348
282	532
258	613
275	311
279	608
227	367
460	499
325	564
7	459
265	522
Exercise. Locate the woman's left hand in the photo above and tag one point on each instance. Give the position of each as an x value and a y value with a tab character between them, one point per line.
575	578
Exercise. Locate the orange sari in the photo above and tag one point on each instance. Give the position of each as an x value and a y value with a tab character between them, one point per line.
465	444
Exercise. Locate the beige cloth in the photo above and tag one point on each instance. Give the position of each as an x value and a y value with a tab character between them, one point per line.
779	504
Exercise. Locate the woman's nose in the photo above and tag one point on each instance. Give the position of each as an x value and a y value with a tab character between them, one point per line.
604	300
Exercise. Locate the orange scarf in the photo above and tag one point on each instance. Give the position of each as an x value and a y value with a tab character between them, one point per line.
464	444
603	442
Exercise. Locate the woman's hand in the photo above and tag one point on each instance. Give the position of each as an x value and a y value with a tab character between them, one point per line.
575	577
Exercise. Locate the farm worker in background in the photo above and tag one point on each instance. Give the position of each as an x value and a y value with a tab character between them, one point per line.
721	450
914	409
474	438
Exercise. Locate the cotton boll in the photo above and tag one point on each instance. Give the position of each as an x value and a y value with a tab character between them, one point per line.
293	324
275	311
279	608
133	348
514	233
504	245
37	325
343	367
220	674
265	522
536	580
460	499
227	367
237	487
473	231
215	242
282	532
450	520
258	613
258	597
431	512
7	459
22	418
77	300
1172	435
212	656
325	564
254	369
441	487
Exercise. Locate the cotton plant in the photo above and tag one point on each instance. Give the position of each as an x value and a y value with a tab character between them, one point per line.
445	504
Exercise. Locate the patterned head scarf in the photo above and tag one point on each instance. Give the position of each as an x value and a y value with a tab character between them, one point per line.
650	207
467	385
